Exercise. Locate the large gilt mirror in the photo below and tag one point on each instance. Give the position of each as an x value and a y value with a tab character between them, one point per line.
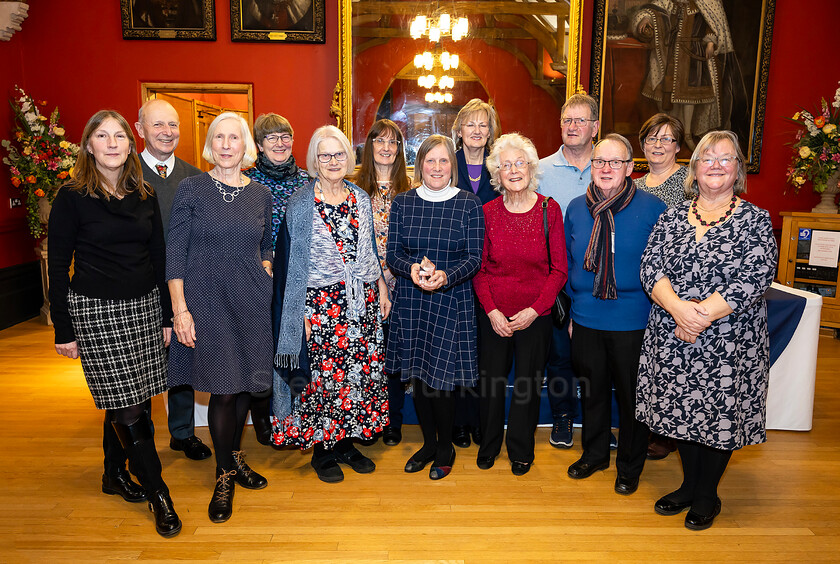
398	61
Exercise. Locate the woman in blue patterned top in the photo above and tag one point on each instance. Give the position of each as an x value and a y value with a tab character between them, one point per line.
275	168
435	237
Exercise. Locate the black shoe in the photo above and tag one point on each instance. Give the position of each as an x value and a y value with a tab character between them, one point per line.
485	462
263	434
416	464
461	436
167	522
221	504
191	446
476	435
520	468
440	472
582	469
327	468
360	463
121	484
369	442
391	436
245	475
697	522
625	485
667	506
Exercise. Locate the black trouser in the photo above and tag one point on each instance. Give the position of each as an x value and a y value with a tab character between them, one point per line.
530	349
601	360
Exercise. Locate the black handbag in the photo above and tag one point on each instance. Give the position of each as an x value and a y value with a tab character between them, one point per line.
562	303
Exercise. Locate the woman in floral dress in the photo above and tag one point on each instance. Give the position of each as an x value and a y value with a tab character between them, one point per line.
329	301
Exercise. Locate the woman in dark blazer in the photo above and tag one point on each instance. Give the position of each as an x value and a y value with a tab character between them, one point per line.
475	129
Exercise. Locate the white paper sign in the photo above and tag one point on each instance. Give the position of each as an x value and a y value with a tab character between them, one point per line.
824	248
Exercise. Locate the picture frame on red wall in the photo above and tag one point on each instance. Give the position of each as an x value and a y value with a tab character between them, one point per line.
705	62
169	19
284	21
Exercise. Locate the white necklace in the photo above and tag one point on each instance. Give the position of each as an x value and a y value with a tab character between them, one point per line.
228	196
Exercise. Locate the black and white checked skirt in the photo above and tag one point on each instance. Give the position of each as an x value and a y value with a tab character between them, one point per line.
121	347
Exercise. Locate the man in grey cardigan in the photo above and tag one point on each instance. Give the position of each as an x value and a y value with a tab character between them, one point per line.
157	125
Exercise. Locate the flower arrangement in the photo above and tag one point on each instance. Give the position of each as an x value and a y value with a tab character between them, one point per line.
39	157
817	146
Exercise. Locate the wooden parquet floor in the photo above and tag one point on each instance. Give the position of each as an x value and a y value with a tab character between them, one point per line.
781	500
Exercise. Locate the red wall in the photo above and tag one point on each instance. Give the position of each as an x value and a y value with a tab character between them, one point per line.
72	54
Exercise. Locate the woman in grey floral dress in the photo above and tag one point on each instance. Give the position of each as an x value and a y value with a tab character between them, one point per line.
705	360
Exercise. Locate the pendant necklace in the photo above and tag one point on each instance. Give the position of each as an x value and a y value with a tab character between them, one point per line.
228	196
697	216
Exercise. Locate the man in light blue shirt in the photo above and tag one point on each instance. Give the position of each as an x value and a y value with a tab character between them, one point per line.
565	176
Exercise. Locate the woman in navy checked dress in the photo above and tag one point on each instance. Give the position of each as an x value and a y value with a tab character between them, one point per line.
433	329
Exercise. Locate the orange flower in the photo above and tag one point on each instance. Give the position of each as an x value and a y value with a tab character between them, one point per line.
39	193
819	121
62	175
15	181
30	179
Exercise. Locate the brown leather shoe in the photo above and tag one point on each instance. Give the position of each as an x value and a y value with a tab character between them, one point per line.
659	447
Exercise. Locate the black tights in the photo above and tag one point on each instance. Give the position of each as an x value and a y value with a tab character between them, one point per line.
703	467
436	413
226	414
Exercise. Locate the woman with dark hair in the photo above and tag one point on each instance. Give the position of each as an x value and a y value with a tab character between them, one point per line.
661	137
219	271
434	248
275	168
382	175
115	313
705	359
475	129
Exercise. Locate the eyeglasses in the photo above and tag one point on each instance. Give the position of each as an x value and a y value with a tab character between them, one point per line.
384	141
665	140
273	139
519	165
580	122
725	162
614	164
340	156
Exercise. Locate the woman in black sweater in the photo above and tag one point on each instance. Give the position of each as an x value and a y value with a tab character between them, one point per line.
115	314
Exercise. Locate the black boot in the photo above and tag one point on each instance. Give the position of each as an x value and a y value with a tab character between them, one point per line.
138	441
118	482
115	479
221	504
245	475
261	417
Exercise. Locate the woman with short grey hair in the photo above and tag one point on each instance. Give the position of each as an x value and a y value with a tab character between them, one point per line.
523	268
330	298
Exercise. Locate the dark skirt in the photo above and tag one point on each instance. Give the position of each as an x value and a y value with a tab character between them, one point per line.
121	347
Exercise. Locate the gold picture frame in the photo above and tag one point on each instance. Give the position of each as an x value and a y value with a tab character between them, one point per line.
627	59
168	19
